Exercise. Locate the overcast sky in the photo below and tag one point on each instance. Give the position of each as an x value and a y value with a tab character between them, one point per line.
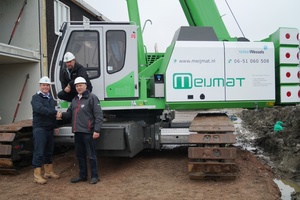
257	18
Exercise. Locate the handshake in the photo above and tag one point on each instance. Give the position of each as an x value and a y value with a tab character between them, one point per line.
59	115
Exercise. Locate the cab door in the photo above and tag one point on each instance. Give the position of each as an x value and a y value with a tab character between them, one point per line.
121	69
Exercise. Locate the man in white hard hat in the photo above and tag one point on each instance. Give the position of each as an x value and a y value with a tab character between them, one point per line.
67	76
44	127
87	118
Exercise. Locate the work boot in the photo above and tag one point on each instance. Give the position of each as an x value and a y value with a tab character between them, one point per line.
38	176
49	172
94	180
78	179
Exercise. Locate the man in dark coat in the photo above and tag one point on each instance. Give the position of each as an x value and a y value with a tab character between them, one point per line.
44	127
87	118
67	76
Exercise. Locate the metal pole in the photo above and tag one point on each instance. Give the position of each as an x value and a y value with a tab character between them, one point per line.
17	22
20	99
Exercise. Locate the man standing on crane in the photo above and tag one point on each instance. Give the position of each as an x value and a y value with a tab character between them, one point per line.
67	76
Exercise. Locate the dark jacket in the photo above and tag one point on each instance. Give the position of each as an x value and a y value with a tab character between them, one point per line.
86	113
43	111
78	70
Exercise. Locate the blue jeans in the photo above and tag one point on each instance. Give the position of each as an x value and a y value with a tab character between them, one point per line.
43	141
85	148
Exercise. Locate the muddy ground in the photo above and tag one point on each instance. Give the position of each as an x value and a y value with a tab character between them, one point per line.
282	147
164	174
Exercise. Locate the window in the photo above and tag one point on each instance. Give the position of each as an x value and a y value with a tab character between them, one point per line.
116	51
61	14
85	47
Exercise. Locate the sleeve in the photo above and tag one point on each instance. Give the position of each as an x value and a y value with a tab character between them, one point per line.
62	78
98	114
39	108
71	83
67	116
54	117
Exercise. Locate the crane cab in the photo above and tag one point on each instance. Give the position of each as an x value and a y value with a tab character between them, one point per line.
108	51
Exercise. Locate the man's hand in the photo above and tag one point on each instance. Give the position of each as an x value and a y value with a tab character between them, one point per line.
56	131
68	89
96	135
58	115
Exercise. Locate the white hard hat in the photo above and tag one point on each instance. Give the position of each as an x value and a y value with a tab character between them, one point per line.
79	80
68	57
45	80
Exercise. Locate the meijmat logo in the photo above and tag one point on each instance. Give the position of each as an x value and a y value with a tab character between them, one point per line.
182	80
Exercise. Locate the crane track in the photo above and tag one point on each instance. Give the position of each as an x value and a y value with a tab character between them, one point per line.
212	157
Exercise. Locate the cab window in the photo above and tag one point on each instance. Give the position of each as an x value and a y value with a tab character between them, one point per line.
116	51
85	47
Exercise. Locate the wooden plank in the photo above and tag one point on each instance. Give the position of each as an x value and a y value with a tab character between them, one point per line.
10	171
5	149
16	126
10	128
211	122
212	167
203	176
7	137
228	138
6	163
211	153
